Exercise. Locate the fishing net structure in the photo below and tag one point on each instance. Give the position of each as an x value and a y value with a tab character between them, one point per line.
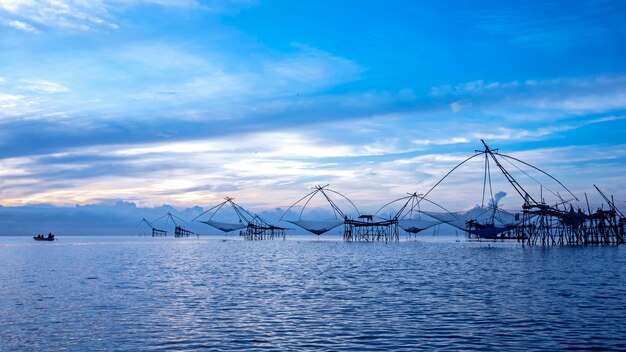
409	217
251	226
538	221
319	226
179	229
156	232
362	228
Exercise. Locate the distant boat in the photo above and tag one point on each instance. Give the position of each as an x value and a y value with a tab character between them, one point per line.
50	237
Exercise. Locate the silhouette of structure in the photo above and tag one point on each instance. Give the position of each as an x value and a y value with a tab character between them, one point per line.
555	226
363	228
538	222
179	231
155	232
318	227
558	222
252	227
409	216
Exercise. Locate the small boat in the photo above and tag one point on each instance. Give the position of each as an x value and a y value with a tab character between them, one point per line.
50	237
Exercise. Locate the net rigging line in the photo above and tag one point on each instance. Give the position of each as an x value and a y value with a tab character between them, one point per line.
321	189
415	200
540	170
506	158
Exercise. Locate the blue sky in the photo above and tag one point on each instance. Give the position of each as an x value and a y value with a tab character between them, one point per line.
184	102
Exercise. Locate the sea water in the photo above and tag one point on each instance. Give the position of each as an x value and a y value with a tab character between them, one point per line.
162	294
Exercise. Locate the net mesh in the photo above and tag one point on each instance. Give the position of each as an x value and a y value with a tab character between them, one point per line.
317	227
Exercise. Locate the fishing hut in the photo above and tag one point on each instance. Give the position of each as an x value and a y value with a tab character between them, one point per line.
608	224
365	229
251	226
556	226
155	232
362	228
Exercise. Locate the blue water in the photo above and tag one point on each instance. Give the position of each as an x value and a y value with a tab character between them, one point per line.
112	293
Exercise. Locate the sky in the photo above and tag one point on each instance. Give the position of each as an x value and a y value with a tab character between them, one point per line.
141	103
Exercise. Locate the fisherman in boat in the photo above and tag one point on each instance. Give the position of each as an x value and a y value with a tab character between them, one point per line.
50	236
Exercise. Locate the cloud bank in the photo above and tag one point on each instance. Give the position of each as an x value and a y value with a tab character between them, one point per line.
186	102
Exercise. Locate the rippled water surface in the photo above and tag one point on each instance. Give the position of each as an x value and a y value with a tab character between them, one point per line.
109	294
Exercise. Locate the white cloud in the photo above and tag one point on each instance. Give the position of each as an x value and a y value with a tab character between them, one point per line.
507	133
15	106
443	141
551	101
159	56
12	5
87	15
581	102
9	99
271	169
23	27
165	3
555	85
214	6
460	105
274	145
42	86
311	66
223	86
73	14
477	86
179	81
2	80
282	163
